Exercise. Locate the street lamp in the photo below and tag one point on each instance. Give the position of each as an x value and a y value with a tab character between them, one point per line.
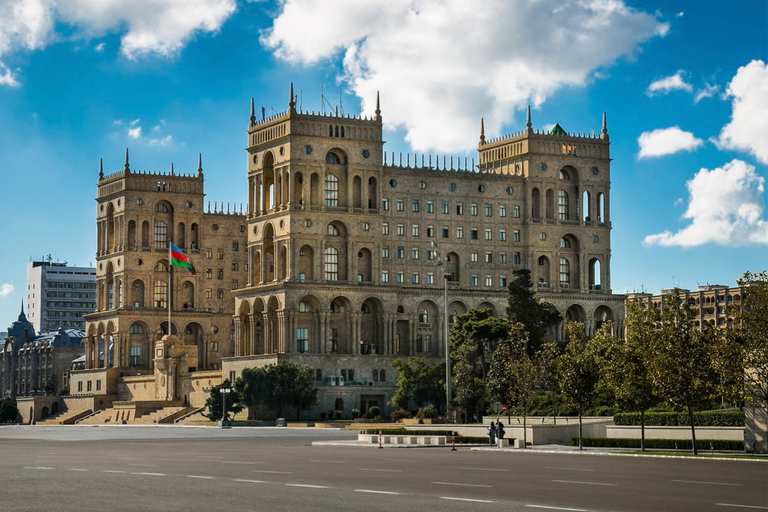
446	275
224	392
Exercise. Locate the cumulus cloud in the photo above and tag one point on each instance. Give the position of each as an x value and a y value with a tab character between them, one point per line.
666	141
135	131
668	84
725	207
6	289
707	92
148	26
440	66
749	122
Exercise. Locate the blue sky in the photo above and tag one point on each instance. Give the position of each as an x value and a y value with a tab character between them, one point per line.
684	85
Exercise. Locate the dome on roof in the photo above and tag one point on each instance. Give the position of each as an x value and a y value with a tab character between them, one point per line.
21	329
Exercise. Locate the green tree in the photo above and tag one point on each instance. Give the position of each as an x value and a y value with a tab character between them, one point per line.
579	371
526	307
514	376
8	411
681	366
469	390
253	387
418	382
752	322
547	362
290	385
215	403
626	374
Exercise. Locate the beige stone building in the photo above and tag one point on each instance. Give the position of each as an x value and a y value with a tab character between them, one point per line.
339	260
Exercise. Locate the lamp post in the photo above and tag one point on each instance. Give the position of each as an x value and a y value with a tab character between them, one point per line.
224	392
446	329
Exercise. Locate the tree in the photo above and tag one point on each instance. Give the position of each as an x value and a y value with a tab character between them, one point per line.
752	324
8	411
215	403
579	371
514	376
526	307
681	366
418	382
626	374
253	387
280	386
547	362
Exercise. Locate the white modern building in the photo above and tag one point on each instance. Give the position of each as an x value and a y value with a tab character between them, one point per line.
58	295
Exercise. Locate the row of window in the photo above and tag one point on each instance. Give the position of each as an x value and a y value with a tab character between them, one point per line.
445	207
474	233
400	253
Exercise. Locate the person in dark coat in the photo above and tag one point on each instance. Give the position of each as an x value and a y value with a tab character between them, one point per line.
492	434
500	432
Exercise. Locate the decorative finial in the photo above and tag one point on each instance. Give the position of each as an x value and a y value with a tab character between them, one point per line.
482	130
127	165
101	168
199	164
253	113
292	103
528	118
378	105
605	124
172	173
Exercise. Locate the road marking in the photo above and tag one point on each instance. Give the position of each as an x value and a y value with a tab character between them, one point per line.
558	508
202	477
741	506
79	469
330	461
706	483
36	467
144	465
309	486
114	471
465	499
584	483
375	492
569	469
273	472
485	469
461	485
250	481
149	474
237	462
383	470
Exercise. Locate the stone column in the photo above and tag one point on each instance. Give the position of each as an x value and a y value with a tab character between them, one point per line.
238	338
253	317
280	328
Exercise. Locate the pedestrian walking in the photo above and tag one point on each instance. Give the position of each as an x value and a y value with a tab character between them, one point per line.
500	432
492	434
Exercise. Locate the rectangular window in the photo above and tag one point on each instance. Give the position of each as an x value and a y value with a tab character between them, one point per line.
415	278
400	253
136	356
302	341
489	210
400	277
430	255
331	264
445	208
161	235
235	246
209	273
459	232
503	281
445	232
385	204
430	207
318	374
517	211
473	257
331	191
415	205
80	387
385	251
517	258
430	278
208	293
473	234
220	254
400	205
401	230
502	235
489	257
473	209
385	276
220	273
220	293
489	234
516	235
459	208
473	281
502	210
414	254
385	228
488	281
414	230
430	231
502	257
234	284
234	266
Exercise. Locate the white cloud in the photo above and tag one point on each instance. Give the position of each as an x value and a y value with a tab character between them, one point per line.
668	84
100	47
148	26
707	92
749	119
6	289
725	207
440	66
666	141
134	133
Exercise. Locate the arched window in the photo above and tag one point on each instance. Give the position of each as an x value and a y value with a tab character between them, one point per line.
365	309
562	204
161	294
161	208
565	272
335	308
136	329
331	189
564	175
331	264
161	235
332	158
332	230
303	307
565	243
160	266
423	317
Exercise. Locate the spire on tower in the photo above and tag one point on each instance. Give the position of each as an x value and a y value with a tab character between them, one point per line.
482	130
199	164
172	173
528	118
605	124
253	113
101	168
292	103
127	165
378	105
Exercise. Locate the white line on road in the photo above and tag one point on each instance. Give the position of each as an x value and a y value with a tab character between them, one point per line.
200	476
558	508
237	462
79	469
309	486
584	483
383	470
706	483
149	474
741	506
144	465
250	481
375	492
330	461
114	471
569	469
486	469
273	472
461	485
465	499
36	467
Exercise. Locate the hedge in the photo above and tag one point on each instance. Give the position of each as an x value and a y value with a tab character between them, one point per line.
679	419
664	444
459	439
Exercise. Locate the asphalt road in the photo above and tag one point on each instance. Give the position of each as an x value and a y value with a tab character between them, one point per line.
177	468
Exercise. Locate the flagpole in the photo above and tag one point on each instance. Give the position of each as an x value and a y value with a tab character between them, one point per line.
170	290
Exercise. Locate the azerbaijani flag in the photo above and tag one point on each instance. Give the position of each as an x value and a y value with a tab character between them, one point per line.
179	259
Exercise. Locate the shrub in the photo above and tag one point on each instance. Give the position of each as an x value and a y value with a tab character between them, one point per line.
322	415
676	419
664	444
339	415
375	411
429	412
355	413
399	415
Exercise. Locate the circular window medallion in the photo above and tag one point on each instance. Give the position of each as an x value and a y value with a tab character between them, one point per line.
189	204
510	190
481	188
307	223
543	236
215	227
282	223
366	153
255	230
595	171
255	159
282	151
366	226
307	149
393	183
242	229
139	202
452	187
215	331
543	166
595	239
422	185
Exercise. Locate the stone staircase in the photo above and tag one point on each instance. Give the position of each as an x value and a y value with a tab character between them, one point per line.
64	417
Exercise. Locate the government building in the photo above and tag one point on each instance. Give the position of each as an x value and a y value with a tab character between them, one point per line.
339	261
